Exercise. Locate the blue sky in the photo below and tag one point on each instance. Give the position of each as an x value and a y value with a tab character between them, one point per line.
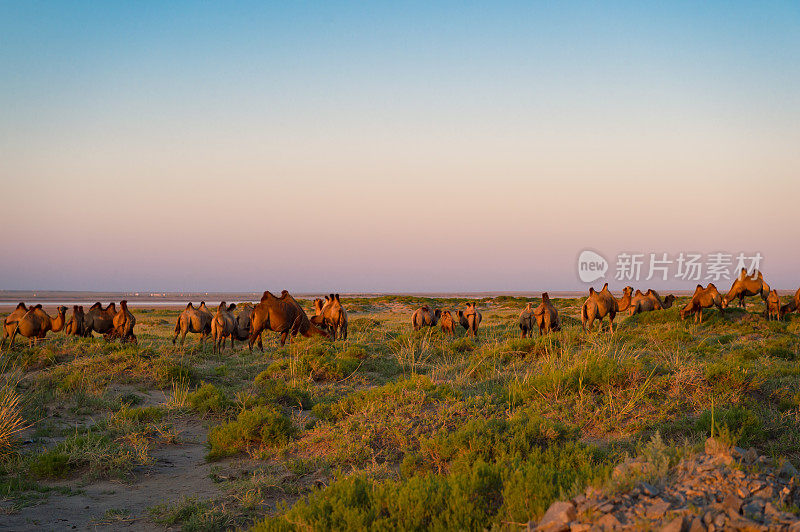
408	146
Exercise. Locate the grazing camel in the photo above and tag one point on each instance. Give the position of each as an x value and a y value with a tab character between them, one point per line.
703	298
747	285
447	323
194	320
773	306
331	315
123	323
470	318
10	323
99	319
222	326
546	316
791	306
649	302
601	304
74	326
526	320
35	324
424	317
282	315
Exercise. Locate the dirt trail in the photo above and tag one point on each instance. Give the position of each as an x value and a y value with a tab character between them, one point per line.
179	470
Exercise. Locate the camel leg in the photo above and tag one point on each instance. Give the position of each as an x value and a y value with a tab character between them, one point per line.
611	323
284	335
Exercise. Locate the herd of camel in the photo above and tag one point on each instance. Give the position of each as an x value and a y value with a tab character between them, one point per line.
285	316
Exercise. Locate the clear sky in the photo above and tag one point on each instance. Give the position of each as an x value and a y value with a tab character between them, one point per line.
391	146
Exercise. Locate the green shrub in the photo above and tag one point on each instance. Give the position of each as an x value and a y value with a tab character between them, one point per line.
260	426
743	424
276	390
51	464
207	398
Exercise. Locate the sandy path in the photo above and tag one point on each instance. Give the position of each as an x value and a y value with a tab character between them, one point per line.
178	471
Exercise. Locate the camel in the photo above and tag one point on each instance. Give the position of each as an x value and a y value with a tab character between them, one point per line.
747	285
546	316
773	305
242	330
331	315
10	323
447	323
123	323
601	304
424	317
282	315
74	326
470	318
703	298
223	325
35	324
99	319
526	320
194	320
791	306
649	302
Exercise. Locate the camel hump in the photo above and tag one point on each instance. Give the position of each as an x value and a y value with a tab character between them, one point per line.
231	307
123	303
337	297
330	296
591	290
605	286
96	305
284	293
111	306
190	305
38	306
222	305
266	295
545	296
21	305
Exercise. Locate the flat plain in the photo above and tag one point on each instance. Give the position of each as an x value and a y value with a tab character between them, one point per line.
391	428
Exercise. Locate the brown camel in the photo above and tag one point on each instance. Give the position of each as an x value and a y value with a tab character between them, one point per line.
470	318
223	326
74	326
194	320
747	285
123	322
331	315
35	324
10	323
242	330
649	302
773	305
99	319
546	316
424	317
791	306
447	323
703	298
601	304
526	320
282	315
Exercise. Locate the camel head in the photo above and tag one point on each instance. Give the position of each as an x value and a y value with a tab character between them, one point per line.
62	310
231	307
545	297
668	301
318	304
437	313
